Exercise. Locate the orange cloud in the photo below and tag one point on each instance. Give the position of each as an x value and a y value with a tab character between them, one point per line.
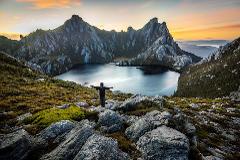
228	32
45	4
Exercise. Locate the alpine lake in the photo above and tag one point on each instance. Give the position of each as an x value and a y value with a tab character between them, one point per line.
148	81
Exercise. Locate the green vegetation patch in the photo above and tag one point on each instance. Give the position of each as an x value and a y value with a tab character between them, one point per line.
52	115
44	118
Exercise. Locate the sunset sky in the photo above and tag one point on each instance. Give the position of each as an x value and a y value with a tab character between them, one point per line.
186	19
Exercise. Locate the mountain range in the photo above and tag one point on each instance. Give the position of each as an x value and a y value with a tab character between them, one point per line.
77	42
201	48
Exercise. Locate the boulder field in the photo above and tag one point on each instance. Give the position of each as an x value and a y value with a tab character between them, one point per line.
158	134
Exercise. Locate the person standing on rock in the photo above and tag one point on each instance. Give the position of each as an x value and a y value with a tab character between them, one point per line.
101	90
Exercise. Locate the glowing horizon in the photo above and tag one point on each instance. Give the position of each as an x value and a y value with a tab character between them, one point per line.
186	19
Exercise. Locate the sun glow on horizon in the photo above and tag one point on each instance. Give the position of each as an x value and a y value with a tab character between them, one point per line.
186	19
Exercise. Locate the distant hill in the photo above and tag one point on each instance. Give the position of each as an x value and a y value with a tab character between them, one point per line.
8	46
201	48
215	76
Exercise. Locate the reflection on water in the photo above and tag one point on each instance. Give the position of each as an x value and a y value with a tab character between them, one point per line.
125	79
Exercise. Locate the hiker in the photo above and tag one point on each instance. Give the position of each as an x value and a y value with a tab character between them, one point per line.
102	89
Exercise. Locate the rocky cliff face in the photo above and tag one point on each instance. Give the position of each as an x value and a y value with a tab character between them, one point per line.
215	76
77	42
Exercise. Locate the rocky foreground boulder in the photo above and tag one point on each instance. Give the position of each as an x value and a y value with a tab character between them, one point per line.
110	121
135	100
55	130
100	147
16	145
164	143
148	122
69	148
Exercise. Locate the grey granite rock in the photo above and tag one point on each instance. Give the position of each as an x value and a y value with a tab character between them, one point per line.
15	146
56	129
112	104
98	147
164	143
75	139
65	106
132	102
82	104
148	122
24	116
110	121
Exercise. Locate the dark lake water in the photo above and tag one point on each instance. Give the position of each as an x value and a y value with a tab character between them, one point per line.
124	79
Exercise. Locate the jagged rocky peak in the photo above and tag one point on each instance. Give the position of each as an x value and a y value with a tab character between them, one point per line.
77	42
76	18
130	28
154	20
74	23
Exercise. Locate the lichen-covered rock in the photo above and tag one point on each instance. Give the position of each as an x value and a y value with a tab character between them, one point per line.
130	119
98	109
56	129
148	122
75	139
110	121
132	102
212	158
164	143
158	118
190	129
194	105
235	96
82	104
15	146
24	116
138	129
112	104
65	106
98	147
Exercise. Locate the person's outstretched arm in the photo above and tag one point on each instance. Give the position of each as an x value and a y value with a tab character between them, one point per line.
108	88
96	87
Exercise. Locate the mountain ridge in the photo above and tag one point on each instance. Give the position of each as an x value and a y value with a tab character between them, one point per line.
214	76
77	42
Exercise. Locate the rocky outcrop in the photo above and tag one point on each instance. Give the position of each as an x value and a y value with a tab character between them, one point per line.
16	145
148	122
77	42
69	148
164	143
235	96
135	100
55	130
100	147
110	121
